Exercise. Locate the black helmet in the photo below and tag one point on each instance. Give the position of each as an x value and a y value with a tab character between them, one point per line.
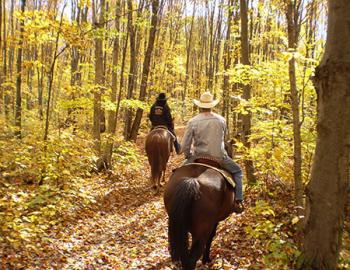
161	96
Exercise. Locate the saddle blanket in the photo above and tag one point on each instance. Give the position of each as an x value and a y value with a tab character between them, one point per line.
228	177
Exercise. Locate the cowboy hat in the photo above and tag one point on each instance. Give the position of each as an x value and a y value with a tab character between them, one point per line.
206	101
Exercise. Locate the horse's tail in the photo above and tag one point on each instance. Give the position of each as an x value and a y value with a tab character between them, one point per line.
179	218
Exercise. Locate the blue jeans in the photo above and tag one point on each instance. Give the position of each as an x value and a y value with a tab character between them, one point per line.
236	171
233	168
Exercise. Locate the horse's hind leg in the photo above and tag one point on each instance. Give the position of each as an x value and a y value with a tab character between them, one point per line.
195	253
163	177
206	254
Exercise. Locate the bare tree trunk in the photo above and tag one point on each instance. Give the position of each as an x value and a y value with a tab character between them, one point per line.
18	111
51	75
327	191
4	50
188	54
112	116
227	58
1	77
293	32
146	68
98	79
40	72
132	69
210	63
247	118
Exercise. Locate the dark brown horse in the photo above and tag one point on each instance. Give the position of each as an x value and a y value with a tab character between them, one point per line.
159	145
196	198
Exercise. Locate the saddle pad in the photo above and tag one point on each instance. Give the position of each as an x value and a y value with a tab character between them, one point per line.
228	177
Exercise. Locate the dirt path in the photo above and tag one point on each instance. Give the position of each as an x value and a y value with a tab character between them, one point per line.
129	231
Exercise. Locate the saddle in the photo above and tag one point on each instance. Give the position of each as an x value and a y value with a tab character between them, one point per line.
212	163
161	127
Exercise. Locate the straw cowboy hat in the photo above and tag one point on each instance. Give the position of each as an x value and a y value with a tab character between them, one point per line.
206	101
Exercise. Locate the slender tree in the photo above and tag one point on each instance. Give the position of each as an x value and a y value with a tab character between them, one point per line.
98	75
293	26
246	118
146	68
112	116
132	68
327	191
18	111
51	75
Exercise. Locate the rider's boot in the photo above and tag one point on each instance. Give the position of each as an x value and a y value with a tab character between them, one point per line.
238	206
177	147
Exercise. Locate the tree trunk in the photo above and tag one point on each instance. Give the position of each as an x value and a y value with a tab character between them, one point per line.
246	118
112	116
98	80
227	59
132	69
1	76
327	191
146	68
51	76
292	22
188	54
4	50
18	111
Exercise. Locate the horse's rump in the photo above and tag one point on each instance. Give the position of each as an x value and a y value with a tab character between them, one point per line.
213	190
196	198
158	148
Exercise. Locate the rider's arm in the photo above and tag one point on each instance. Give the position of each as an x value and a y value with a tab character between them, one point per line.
168	116
187	141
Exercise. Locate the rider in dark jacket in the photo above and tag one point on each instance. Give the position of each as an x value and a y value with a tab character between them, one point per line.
160	115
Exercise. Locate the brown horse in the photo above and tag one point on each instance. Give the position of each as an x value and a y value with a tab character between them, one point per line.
159	145
196	198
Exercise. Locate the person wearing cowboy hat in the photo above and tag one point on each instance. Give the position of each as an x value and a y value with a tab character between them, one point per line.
206	133
160	115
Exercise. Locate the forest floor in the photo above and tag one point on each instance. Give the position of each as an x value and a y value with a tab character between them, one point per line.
126	228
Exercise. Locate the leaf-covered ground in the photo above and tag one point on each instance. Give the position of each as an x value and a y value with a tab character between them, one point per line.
126	228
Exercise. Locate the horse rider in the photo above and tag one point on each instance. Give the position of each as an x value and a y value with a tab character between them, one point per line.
160	115
206	132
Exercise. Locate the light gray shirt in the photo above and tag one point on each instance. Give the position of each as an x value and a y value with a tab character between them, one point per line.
206	132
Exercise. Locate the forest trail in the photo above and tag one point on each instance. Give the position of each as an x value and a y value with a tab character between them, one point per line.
128	230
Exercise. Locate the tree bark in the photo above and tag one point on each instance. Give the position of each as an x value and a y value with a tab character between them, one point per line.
188	54
4	50
112	116
246	118
98	80
327	191
1	76
132	68
146	68
18	111
292	14
51	76
227	59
